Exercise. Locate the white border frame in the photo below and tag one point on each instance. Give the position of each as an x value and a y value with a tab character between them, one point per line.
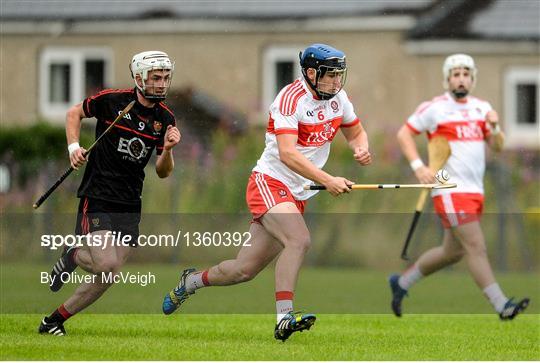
520	135
75	57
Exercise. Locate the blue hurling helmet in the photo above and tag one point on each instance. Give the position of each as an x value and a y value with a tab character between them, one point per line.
323	58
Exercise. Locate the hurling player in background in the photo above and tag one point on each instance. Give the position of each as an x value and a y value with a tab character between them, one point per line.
304	119
468	124
110	192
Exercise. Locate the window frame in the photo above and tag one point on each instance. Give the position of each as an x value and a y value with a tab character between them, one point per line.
271	56
75	57
520	135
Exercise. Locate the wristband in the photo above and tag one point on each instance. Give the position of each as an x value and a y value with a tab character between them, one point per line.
416	164
72	147
495	130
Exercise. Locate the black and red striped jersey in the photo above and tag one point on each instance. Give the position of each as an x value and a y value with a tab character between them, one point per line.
115	168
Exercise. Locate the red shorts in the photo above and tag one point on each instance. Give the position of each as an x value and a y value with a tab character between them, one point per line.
263	192
458	208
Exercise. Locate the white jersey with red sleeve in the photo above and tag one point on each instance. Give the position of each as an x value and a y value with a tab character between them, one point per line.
316	122
463	125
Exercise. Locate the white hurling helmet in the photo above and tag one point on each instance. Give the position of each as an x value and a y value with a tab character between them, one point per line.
144	62
458	61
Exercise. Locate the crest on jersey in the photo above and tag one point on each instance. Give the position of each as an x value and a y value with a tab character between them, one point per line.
282	193
134	147
334	106
95	222
319	134
157	126
328	127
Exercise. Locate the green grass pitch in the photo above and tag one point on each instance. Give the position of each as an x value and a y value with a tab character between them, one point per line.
352	308
249	337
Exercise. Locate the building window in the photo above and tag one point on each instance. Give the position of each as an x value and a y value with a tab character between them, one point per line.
5	179
522	107
59	83
94	72
527	107
280	67
284	74
68	75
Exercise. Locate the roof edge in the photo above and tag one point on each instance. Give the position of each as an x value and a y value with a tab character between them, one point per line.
443	47
56	28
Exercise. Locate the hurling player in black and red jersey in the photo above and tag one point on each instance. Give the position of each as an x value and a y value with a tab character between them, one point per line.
110	192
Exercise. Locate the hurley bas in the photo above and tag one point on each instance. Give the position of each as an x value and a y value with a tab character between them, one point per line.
138	278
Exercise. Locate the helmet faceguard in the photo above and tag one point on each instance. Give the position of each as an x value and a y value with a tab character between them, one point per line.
324	59
459	61
142	64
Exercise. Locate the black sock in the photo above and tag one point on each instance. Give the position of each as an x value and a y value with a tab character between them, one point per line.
57	317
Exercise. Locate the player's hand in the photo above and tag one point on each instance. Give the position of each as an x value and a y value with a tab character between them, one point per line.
492	117
338	185
362	156
172	137
77	158
425	175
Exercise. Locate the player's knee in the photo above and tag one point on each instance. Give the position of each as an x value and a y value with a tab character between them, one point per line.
479	251
246	273
301	243
476	248
455	255
102	267
107	266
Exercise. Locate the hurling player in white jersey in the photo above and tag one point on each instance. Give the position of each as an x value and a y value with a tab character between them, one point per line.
468	124
304	118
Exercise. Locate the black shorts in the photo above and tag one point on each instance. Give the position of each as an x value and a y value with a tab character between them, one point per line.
101	215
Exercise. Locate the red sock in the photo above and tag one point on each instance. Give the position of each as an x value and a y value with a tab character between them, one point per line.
205	278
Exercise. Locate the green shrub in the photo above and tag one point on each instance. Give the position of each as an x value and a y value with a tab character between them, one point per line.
29	147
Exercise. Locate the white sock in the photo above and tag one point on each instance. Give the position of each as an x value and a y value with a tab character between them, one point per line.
496	297
284	304
283	307
196	281
410	277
